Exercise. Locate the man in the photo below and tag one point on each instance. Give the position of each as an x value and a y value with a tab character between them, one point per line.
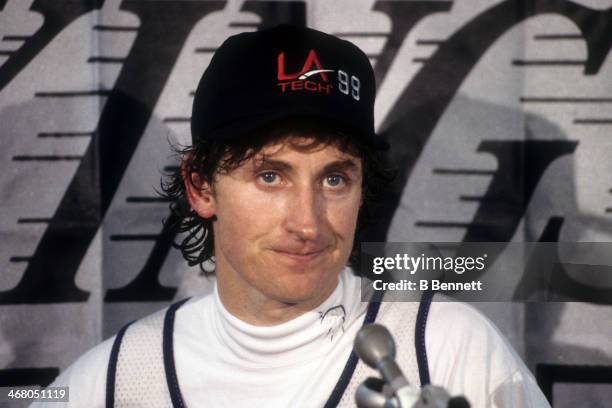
283	165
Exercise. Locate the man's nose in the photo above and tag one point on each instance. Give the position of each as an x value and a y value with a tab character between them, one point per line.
304	213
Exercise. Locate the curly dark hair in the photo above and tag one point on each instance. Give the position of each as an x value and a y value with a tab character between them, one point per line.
209	158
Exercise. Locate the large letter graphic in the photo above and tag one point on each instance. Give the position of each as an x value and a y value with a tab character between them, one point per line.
49	278
415	114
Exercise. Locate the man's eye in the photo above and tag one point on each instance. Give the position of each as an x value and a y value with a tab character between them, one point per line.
269	177
335	180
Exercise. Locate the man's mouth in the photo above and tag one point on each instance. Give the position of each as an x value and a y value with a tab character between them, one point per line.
301	255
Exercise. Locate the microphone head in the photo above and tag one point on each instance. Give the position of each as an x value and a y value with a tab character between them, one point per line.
373	343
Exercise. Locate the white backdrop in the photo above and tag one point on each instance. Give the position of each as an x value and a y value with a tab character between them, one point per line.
499	114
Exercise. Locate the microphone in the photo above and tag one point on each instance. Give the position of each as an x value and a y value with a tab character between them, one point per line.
375	347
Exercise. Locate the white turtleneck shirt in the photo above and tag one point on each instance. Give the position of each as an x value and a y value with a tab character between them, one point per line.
272	366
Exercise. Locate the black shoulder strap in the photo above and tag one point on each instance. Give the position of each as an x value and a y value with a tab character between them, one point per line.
112	367
351	363
175	393
419	337
168	350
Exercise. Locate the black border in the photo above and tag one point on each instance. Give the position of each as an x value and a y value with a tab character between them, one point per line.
549	374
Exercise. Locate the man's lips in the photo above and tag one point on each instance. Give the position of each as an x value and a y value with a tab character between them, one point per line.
300	254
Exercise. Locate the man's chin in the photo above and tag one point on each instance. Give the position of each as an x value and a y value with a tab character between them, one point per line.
305	289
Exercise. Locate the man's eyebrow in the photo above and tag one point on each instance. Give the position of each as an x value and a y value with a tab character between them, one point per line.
271	164
340	165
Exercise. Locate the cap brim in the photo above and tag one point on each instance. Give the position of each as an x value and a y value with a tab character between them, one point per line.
243	126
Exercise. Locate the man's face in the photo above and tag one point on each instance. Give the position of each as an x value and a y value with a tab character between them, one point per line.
285	222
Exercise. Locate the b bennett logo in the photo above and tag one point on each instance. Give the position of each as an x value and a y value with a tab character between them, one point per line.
303	80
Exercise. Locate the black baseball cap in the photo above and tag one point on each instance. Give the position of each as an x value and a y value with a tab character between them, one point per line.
257	78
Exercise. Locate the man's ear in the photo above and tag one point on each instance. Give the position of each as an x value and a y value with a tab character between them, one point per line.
199	193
